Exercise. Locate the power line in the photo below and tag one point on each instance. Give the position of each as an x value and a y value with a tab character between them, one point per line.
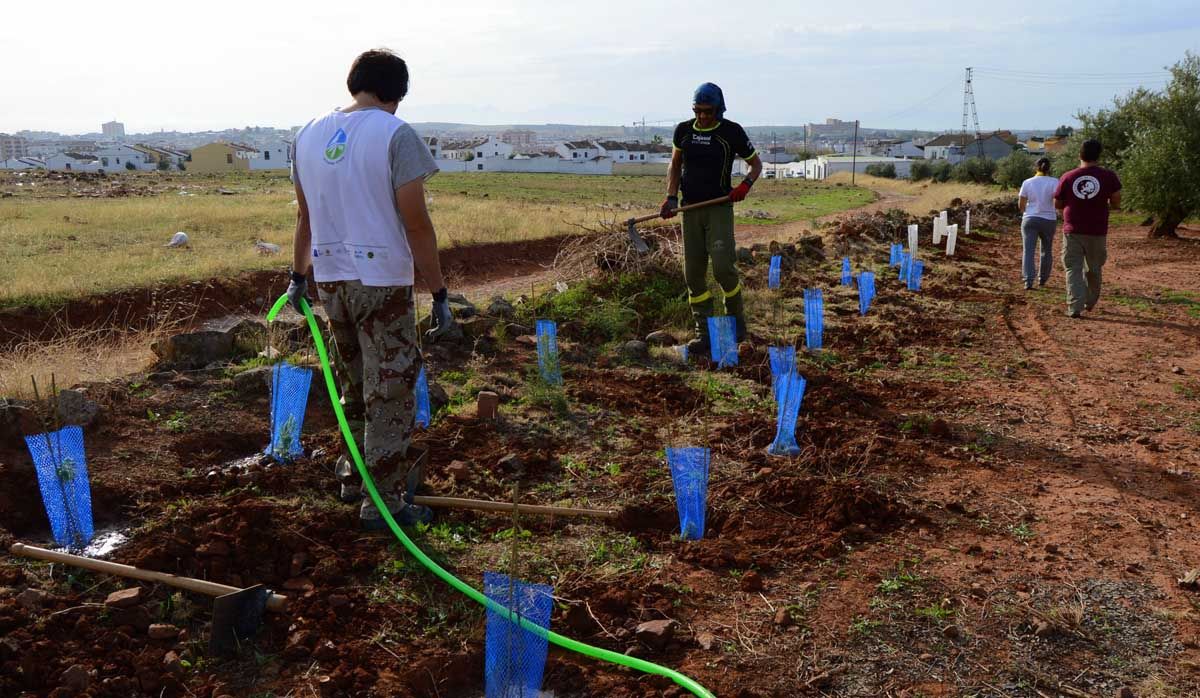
1036	73
922	102
1077	83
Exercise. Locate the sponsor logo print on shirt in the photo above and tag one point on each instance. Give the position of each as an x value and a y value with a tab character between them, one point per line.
702	140
1086	187
335	149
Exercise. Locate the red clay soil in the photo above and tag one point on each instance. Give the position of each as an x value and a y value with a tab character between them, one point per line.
991	500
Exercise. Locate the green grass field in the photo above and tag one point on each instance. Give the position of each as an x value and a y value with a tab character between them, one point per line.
58	247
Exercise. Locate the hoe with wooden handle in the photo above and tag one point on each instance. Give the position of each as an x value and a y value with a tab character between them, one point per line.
634	237
416	476
237	613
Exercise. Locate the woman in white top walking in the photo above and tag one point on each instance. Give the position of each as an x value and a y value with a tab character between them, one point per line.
1036	201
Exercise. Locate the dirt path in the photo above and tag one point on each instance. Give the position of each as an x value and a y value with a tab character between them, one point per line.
1088	432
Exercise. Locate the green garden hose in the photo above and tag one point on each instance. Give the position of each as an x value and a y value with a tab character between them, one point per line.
475	595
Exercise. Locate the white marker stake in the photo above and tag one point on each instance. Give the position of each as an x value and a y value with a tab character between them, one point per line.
945	220
967	230
937	230
951	238
912	240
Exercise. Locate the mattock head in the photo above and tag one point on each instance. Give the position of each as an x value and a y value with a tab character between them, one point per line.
237	616
634	237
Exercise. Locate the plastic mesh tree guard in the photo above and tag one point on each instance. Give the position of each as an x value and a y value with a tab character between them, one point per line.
515	658
894	254
790	393
289	399
775	271
421	393
916	269
547	350
782	360
722	340
63	480
905	260
847	276
866	291
689	475
814	317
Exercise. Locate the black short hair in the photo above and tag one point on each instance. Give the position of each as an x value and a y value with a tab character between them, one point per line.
380	72
1090	150
1042	165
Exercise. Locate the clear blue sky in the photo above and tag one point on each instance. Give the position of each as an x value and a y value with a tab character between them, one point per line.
891	64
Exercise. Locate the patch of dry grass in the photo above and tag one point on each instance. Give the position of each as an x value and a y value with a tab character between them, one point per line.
83	357
57	247
925	196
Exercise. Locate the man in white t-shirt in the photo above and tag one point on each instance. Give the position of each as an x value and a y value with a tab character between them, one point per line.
362	225
1039	218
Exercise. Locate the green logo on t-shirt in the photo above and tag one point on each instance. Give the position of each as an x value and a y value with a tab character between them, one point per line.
336	147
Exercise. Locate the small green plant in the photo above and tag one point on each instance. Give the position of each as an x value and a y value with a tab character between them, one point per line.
455	377
177	422
1022	532
899	582
65	472
507	534
916	424
862	625
1138	304
622	552
450	537
286	444
938	611
548	396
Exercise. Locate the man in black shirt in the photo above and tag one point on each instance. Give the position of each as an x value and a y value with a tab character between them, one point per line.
702	162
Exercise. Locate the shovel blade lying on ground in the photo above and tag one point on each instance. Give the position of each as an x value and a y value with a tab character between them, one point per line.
237	613
237	616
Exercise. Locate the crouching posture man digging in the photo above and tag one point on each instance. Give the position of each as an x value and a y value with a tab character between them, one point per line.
362	224
702	164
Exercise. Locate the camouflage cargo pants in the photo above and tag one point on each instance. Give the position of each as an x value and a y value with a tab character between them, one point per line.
377	358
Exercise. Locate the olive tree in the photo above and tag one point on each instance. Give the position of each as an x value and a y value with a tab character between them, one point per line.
1152	139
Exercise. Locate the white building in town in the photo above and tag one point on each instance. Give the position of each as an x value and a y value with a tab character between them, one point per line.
26	163
578	150
277	156
116	157
72	162
826	165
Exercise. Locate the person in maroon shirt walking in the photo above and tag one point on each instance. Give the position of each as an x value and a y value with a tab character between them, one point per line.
1085	195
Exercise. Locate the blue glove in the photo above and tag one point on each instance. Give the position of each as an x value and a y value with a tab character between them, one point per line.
441	320
296	290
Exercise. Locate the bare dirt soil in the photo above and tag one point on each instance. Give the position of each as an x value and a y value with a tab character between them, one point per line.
992	499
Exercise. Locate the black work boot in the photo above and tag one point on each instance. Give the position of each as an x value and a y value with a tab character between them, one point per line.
700	344
349	483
